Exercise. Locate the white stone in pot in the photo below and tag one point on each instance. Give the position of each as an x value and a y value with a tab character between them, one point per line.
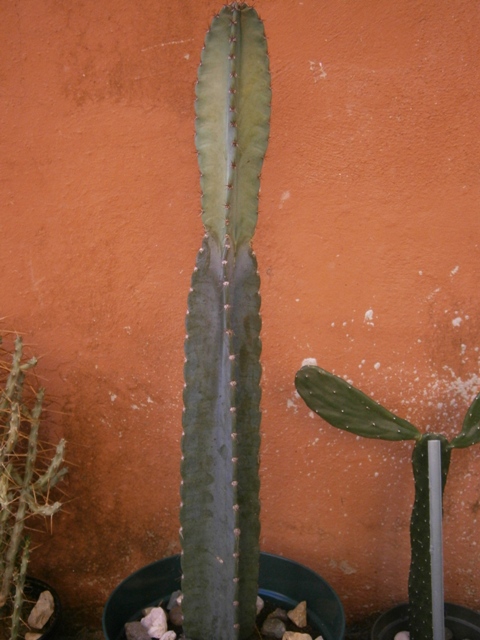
155	622
42	611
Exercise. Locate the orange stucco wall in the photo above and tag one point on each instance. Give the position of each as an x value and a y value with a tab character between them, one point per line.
368	247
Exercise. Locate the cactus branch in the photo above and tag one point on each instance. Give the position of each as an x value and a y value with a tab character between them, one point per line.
470	433
345	407
18	586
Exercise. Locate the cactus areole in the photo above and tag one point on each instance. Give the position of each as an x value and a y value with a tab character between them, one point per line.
345	407
220	507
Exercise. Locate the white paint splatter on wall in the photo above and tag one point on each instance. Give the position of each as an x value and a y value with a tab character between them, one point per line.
369	317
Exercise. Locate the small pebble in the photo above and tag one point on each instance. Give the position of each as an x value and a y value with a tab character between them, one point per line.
173	600
176	616
402	635
273	628
260	604
156	622
293	635
136	631
42	611
299	615
281	614
448	634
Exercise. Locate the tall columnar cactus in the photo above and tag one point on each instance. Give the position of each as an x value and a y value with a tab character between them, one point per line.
25	480
220	447
345	407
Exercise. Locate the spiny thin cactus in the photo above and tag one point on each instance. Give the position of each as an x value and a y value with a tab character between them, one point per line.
220	447
25	481
345	407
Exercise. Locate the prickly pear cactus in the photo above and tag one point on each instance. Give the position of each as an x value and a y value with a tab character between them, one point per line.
220	447
345	407
470	432
420	576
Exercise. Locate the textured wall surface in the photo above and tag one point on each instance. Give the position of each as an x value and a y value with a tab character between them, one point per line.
368	247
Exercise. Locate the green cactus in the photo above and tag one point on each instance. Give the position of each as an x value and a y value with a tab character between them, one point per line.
420	576
221	421
345	407
25	481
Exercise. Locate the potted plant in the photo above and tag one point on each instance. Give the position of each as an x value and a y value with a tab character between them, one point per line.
28	473
221	564
345	407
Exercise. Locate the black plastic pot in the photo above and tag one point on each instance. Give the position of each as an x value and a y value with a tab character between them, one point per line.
462	622
282	581
32	590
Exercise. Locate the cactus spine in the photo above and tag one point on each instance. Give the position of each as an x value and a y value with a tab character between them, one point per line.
220	447
25	481
345	407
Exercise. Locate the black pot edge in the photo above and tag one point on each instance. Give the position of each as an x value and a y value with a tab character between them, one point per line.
396	619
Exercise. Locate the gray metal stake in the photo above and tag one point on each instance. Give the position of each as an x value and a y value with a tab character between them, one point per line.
436	538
